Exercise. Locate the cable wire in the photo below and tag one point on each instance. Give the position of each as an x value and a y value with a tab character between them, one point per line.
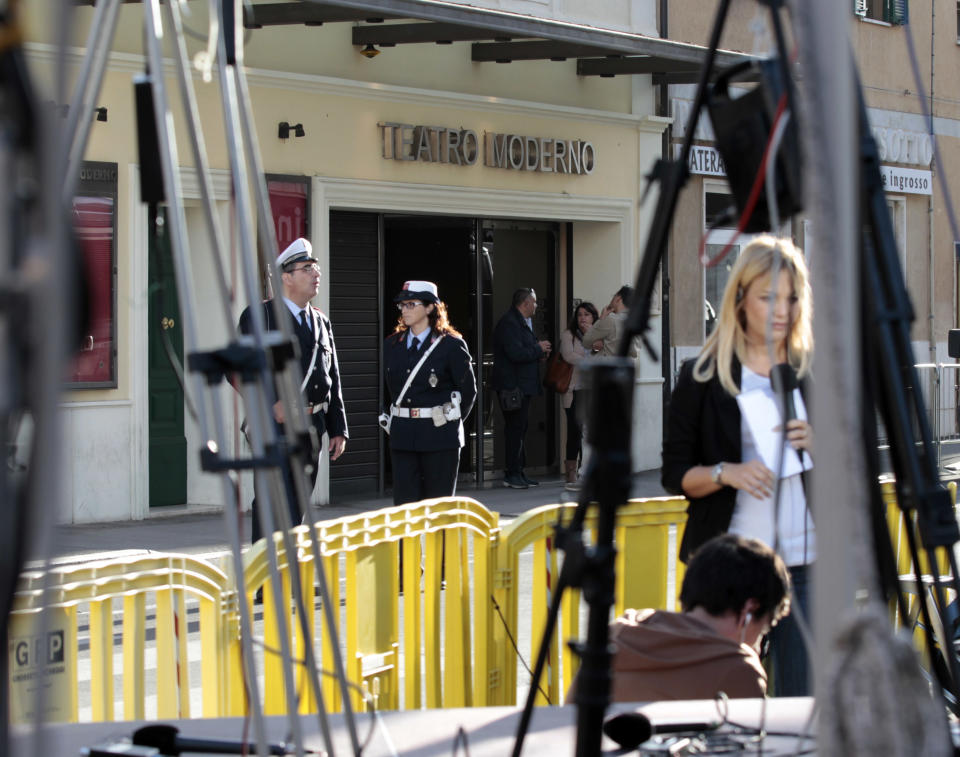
516	649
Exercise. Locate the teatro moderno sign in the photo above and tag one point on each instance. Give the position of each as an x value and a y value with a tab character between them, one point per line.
464	147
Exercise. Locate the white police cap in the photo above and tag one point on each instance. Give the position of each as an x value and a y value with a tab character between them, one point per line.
298	250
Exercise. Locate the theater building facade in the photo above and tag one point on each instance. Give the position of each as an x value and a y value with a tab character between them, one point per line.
419	163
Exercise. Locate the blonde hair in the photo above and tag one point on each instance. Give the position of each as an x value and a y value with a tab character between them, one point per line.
729	337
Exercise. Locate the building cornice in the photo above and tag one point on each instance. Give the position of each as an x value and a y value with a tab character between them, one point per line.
336	87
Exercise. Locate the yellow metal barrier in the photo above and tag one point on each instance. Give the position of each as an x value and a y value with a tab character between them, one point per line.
361	562
915	591
173	579
898	537
442	634
643	574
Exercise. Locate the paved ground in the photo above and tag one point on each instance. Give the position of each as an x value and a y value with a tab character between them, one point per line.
180	530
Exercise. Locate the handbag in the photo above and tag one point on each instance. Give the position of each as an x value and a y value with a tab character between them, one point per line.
510	399
559	373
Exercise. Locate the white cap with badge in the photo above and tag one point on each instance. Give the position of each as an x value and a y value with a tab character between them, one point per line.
298	250
425	291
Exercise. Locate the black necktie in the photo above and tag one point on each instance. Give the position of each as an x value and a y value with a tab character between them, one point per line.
307	328
414	347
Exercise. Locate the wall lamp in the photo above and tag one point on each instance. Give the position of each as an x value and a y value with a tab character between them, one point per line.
369	52
285	128
99	114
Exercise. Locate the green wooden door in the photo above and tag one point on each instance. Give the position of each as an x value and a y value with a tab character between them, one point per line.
168	444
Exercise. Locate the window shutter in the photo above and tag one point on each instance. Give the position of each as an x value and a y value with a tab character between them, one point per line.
860	7
898	13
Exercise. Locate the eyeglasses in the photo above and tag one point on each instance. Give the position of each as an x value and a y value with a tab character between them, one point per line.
312	268
408	305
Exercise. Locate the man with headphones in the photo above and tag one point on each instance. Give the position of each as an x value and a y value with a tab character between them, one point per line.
735	589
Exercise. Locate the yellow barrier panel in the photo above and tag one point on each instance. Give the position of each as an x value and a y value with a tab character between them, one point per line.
897	526
642	538
372	602
42	655
95	585
441	634
916	591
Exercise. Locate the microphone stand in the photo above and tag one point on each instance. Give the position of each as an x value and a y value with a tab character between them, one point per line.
611	382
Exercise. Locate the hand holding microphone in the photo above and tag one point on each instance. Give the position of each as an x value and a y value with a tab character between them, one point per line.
799	434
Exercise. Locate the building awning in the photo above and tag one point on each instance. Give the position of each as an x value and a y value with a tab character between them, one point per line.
497	36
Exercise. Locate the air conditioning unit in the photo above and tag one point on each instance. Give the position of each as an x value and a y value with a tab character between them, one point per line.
860	8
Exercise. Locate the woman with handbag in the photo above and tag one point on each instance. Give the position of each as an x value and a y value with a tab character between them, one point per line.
429	374
574	353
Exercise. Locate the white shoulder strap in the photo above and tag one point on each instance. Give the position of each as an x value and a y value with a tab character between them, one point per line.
416	369
316	343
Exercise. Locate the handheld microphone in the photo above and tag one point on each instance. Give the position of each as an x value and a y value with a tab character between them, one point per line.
631	729
783	378
166	739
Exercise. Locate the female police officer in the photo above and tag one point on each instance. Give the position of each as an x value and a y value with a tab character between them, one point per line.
432	389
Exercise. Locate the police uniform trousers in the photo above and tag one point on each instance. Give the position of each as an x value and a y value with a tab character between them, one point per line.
424	475
289	491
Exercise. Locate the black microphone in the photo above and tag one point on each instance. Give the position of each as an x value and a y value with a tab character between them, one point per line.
165	738
631	729
784	380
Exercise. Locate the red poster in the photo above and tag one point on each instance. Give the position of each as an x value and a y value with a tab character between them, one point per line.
288	201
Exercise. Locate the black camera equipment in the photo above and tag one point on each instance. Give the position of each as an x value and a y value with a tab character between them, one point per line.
743	126
610	384
892	386
607	480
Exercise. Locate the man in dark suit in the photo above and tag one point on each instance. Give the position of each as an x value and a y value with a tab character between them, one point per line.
320	388
516	357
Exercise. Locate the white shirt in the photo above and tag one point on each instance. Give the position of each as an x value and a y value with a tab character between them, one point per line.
754	518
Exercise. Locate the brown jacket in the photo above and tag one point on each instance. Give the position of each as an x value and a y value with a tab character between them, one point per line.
667	655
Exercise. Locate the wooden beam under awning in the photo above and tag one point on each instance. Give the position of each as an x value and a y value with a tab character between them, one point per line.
501	52
311	14
388	35
634	64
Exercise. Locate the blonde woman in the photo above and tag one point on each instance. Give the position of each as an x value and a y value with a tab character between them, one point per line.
709	454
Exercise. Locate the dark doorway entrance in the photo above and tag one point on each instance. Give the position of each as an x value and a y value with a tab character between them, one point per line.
476	281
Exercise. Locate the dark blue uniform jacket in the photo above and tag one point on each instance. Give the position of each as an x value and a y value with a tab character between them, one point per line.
452	369
324	383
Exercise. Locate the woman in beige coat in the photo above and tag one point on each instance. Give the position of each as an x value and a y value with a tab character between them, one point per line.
573	351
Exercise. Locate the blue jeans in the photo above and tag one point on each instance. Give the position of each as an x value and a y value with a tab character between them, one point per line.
788	654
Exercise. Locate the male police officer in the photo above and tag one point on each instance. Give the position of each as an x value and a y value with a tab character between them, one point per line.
320	392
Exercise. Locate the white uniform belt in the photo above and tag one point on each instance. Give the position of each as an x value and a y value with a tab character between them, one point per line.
321	408
422	412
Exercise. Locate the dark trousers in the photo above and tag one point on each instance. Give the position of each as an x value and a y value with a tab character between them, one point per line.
290	493
788	654
574	428
514	429
423	475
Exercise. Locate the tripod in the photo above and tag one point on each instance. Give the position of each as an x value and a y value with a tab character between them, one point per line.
260	362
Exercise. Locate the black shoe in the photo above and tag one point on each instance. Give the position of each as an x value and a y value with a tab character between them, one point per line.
529	481
515	482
